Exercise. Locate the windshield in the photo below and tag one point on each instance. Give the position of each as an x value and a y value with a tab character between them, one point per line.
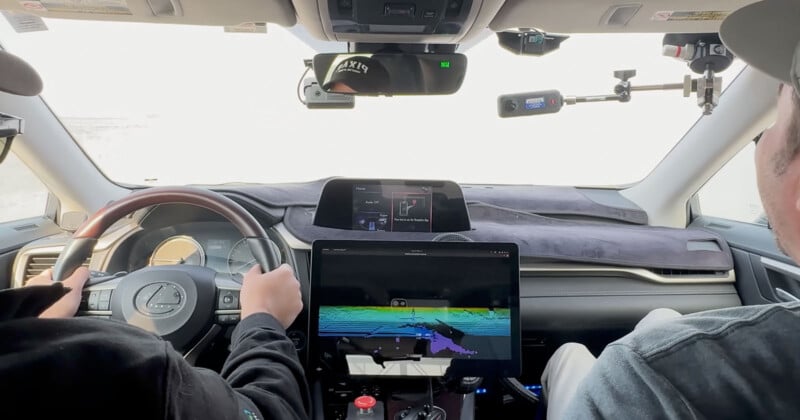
162	104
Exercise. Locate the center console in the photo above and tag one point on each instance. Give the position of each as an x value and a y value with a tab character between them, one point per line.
398	328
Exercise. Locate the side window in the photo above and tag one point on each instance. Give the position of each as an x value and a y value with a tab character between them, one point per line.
732	193
22	195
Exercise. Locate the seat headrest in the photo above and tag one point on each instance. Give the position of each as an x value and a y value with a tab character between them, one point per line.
17	76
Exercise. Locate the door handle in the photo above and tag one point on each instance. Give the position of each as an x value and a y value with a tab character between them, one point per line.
787	270
782	267
785	296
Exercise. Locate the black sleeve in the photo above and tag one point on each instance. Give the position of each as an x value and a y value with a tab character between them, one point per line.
263	378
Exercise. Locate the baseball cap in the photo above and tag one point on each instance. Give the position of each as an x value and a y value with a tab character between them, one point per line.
766	35
360	73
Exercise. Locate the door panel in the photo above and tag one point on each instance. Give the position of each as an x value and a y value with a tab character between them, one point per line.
764	274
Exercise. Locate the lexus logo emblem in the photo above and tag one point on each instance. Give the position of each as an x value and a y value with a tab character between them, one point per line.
160	299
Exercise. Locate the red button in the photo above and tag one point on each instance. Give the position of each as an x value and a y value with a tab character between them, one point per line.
365	402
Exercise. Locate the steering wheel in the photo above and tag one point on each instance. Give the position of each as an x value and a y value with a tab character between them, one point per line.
183	304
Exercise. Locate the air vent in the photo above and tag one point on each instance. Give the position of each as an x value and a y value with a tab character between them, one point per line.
674	272
29	226
167	8
620	15
36	264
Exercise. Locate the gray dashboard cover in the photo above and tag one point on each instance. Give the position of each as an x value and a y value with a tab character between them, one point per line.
557	201
555	239
562	201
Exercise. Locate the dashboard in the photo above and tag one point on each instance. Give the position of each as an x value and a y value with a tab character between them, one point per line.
582	254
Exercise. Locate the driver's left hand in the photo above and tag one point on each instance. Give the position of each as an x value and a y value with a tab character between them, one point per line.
67	306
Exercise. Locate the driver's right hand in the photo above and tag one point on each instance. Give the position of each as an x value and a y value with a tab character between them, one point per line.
276	293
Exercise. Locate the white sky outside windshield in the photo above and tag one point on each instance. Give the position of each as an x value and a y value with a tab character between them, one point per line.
166	104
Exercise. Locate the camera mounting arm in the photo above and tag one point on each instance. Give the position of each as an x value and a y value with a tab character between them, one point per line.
704	54
551	101
623	89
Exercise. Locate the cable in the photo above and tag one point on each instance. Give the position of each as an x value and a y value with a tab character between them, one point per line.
6	145
434	408
300	83
430	389
518	390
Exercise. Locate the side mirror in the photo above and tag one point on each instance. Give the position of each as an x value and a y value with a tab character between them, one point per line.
18	77
390	73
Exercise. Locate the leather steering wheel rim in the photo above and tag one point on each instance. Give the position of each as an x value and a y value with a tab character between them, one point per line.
81	245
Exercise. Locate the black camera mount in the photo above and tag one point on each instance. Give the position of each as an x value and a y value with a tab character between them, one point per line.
706	55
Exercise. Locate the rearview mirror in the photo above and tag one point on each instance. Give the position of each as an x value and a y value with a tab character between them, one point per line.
390	73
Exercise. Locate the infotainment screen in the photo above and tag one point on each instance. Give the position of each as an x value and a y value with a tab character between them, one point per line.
402	208
415	308
390	205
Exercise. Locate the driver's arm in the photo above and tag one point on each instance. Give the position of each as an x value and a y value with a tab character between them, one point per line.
261	379
67	306
265	379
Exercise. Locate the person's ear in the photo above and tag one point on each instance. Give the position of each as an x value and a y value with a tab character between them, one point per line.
795	183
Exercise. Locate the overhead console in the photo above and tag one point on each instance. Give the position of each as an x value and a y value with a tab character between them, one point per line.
442	17
396	21
392	206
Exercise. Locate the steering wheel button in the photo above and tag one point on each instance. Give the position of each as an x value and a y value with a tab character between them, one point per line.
84	305
228	299
227	319
105	295
94	300
104	301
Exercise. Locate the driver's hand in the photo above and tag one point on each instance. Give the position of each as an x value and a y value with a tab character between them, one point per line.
67	306
276	293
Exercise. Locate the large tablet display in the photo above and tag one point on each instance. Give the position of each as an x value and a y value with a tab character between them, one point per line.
415	308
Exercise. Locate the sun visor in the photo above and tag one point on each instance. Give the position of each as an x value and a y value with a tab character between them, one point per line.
17	77
192	12
598	16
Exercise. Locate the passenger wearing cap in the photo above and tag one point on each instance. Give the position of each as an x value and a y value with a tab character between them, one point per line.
356	74
725	364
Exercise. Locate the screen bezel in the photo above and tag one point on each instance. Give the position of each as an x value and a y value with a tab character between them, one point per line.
481	368
448	207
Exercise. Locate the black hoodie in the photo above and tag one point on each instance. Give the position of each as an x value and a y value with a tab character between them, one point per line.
97	368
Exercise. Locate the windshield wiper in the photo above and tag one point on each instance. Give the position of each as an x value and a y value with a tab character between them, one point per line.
377	356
